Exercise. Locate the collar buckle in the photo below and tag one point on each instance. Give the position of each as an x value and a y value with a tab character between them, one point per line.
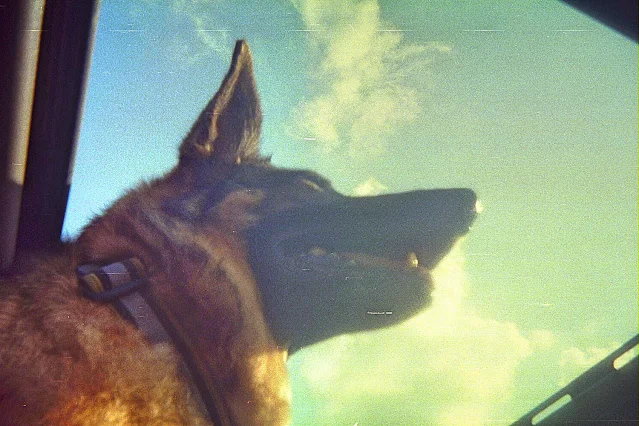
106	283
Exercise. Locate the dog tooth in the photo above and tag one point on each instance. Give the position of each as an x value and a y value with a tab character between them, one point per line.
412	260
317	251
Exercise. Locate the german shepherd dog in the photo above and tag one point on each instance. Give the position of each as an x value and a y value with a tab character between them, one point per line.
233	262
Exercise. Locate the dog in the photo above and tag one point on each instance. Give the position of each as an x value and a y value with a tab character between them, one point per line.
181	303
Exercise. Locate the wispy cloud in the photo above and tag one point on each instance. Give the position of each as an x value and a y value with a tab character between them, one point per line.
369	79
207	36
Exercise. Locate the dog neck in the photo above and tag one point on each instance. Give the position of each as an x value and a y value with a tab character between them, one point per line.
122	285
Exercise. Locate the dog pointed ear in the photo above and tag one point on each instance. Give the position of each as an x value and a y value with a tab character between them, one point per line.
228	129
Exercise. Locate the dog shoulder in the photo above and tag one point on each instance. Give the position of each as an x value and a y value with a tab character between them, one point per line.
65	360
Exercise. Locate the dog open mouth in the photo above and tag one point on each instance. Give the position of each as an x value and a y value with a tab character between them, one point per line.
331	257
334	263
398	231
299	254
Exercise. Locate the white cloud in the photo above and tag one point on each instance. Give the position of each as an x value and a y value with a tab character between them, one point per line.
370	80
574	360
447	366
581	358
371	186
542	339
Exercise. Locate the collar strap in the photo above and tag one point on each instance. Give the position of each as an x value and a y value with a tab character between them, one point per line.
121	284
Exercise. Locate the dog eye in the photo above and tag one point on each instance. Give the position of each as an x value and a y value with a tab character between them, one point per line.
312	185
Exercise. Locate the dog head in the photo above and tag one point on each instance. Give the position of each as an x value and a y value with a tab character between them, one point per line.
326	264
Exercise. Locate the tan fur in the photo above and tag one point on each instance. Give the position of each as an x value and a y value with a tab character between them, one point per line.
77	362
65	360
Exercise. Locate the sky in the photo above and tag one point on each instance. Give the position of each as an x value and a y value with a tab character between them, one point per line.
531	104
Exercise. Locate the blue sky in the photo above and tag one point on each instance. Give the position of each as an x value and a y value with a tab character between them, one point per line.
531	104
